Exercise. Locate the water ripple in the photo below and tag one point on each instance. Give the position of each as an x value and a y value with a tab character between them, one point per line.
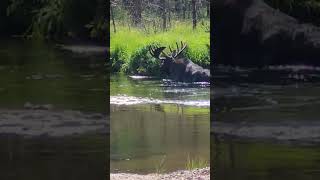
131	100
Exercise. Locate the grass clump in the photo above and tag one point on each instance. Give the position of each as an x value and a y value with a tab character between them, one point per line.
129	46
160	166
196	163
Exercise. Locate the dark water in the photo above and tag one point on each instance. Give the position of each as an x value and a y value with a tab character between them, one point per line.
154	120
275	96
44	92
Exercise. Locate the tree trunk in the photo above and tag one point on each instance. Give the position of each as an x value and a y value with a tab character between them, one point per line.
177	7
112	17
208	8
169	16
136	12
184	8
164	14
194	14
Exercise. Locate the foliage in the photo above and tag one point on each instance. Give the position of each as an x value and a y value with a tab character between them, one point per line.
49	19
155	14
98	28
142	63
56	19
117	59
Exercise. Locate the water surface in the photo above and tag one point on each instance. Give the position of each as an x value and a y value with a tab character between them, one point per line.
155	120
266	123
52	113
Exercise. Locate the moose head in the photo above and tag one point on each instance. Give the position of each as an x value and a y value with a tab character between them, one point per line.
169	60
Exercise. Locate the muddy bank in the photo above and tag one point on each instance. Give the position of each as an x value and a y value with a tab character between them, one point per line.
55	123
284	131
199	174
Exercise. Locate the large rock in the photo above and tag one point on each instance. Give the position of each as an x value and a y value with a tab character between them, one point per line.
251	33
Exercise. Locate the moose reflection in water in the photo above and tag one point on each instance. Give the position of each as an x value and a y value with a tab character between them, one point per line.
178	67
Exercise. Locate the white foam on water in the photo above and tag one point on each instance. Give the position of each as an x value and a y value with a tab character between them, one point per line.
140	77
131	100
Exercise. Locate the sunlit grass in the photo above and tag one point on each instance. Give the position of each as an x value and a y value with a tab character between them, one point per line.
196	163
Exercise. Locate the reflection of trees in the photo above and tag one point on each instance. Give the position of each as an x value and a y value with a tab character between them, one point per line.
39	74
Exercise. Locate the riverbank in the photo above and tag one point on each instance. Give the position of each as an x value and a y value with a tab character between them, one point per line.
199	174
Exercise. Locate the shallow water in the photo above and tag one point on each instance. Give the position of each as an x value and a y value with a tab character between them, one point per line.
154	121
52	113
271	117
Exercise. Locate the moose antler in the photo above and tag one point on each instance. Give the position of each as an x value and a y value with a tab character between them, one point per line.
155	51
177	51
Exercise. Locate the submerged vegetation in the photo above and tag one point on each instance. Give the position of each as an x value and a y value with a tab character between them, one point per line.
163	23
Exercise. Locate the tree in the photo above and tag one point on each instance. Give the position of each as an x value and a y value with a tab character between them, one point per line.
136	12
112	16
194	14
164	14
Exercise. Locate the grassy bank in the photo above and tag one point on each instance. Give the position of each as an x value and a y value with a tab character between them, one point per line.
129	47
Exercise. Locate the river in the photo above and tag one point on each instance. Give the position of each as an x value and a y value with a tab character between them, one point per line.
52	113
157	121
266	123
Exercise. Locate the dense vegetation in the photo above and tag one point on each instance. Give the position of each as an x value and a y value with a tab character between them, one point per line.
54	19
162	22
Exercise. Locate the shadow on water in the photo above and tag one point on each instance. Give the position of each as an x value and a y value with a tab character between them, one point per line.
52	113
266	123
155	121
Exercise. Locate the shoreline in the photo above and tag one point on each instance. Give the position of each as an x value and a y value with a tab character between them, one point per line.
199	174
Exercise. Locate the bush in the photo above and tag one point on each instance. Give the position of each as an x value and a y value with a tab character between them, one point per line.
117	59
143	64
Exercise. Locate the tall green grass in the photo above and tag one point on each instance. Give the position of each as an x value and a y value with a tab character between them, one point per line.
129	50
196	163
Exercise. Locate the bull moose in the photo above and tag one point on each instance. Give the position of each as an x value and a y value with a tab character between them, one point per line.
177	66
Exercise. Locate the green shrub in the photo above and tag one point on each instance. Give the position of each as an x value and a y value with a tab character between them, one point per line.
117	59
143	64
